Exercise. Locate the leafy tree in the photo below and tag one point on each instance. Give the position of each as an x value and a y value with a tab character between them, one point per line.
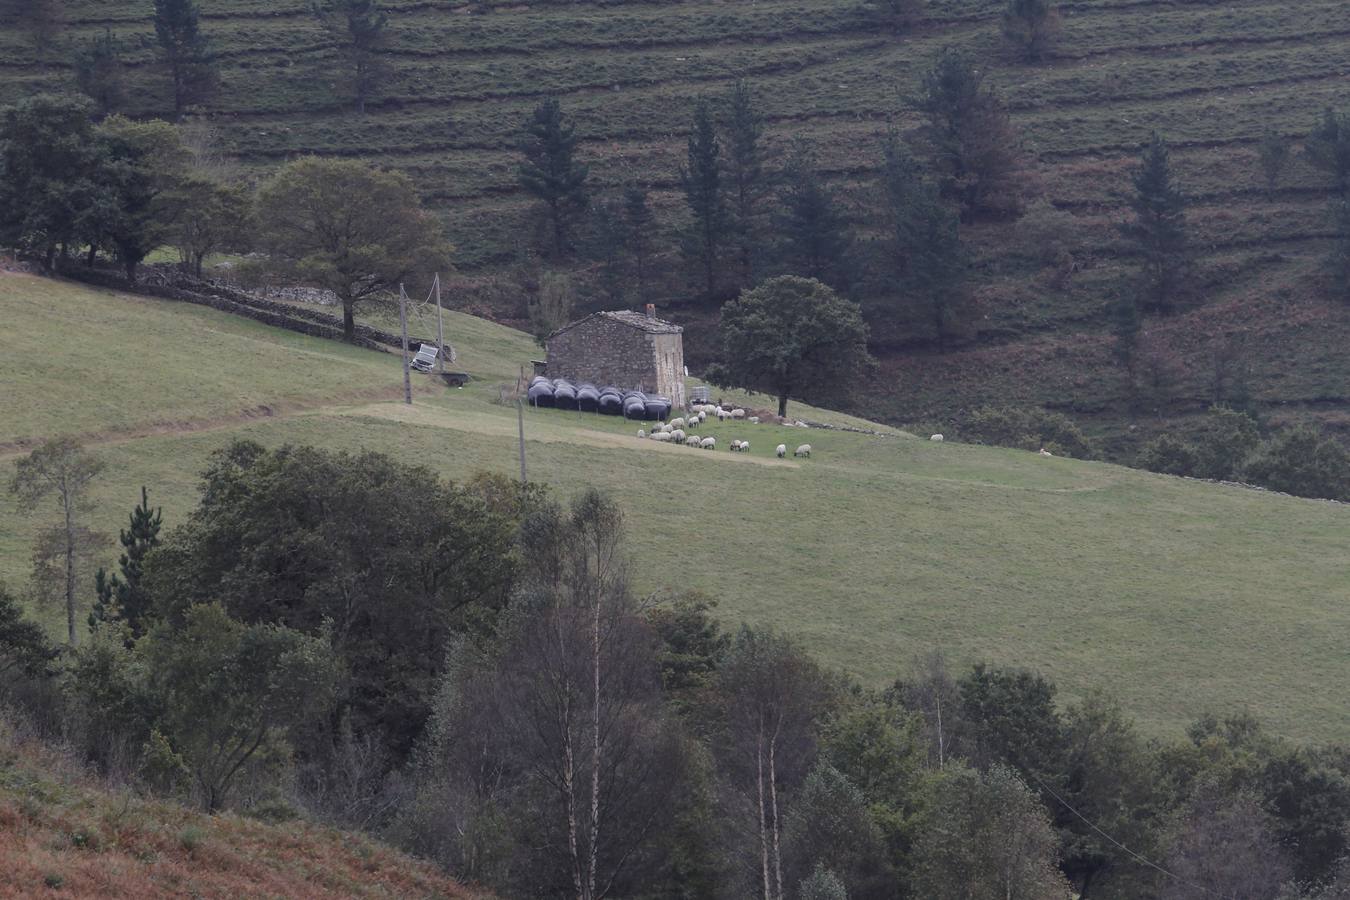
1309	798
745	175
896	15
814	237
830	825
62	469
822	884
1302	462
123	599
1273	155
347	227
317	540
551	308
639	237
49	162
1226	850
144	164
1029	428
24	647
43	20
988	839
974	146
1032	27
792	334
1015	722
186	52
929	260
1169	455
358	26
710	225
551	172
1328	149
772	696
691	647
228	689
1223	442
99	73
1158	229
208	216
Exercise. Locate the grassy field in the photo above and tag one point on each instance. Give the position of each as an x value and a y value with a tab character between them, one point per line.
1179	596
1212	77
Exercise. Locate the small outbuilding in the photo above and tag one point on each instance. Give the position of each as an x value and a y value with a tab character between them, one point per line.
627	349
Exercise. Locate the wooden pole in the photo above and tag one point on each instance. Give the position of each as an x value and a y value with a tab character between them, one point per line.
403	326
520	421
440	328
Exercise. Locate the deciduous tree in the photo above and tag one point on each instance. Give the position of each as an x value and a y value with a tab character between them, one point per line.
62	469
792	335
552	173
99	73
24	647
349	228
1031	27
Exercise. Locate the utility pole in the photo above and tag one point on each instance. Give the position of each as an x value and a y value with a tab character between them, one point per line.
440	328
403	326
520	421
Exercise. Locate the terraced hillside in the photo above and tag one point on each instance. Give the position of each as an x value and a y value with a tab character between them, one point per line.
1178	596
1210	76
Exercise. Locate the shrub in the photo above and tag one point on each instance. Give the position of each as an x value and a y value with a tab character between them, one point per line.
1224	442
1169	455
1302	462
1027	429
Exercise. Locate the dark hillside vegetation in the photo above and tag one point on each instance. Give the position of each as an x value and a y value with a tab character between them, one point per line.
458	81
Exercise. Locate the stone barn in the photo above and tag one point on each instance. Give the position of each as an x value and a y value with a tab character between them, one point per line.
627	349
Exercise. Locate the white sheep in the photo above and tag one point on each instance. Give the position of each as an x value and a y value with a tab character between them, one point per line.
692	440
641	434
666	429
753	420
708	443
780	451
676	424
936	437
738	414
721	414
735	446
745	446
702	416
803	450
1045	452
678	435
662	436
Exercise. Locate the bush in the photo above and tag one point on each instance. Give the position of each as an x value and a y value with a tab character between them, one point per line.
1302	462
1169	455
1028	429
1224	442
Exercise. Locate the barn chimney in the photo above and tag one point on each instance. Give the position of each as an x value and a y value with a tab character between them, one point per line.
651	310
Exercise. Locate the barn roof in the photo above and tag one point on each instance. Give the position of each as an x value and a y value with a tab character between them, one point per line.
628	317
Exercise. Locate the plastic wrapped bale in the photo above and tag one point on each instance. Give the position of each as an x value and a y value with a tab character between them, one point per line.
540	379
588	398
541	394
564	396
611	403
657	408
634	406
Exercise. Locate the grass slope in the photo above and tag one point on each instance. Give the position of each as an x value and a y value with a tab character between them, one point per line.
1210	76
64	834
1179	596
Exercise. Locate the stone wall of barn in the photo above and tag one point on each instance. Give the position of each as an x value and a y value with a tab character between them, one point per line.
603	351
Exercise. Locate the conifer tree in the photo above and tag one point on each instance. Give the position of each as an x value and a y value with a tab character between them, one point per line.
186	52
98	73
1032	27
1273	154
1328	149
552	173
639	238
1158	229
122	598
929	260
814	236
704	240
358	26
745	176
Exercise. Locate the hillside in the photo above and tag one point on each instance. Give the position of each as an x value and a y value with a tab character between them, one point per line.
65	834
1178	596
1210	76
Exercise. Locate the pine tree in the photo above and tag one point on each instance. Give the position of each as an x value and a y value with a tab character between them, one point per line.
1032	26
552	173
1159	228
98	73
745	176
1328	149
186	52
975	149
1272	153
123	598
639	237
814	236
358	25
929	260
702	181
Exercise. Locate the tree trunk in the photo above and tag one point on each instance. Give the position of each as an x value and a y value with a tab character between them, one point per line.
67	501
763	836
131	271
49	261
773	796
348	320
595	747
93	255
782	405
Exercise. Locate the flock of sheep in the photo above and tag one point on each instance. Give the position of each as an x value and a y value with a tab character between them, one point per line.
674	431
